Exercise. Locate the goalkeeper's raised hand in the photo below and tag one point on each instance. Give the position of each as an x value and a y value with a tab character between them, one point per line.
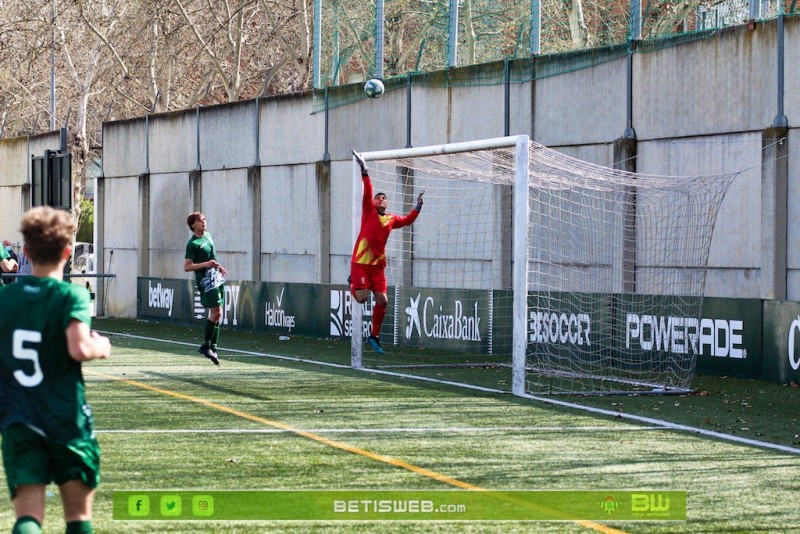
361	162
420	202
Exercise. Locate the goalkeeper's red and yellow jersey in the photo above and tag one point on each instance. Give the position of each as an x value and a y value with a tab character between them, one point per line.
370	248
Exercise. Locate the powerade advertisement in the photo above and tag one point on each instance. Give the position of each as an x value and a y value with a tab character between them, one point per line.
744	338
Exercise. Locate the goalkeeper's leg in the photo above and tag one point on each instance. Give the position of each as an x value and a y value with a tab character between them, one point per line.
378	313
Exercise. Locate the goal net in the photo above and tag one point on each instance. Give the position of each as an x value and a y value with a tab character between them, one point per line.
531	270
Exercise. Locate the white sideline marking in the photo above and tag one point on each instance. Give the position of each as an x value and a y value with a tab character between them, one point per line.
619	415
425	430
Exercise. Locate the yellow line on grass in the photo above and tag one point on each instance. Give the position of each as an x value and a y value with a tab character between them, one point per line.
331	443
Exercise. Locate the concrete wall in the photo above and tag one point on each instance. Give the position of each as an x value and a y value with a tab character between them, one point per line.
15	178
275	179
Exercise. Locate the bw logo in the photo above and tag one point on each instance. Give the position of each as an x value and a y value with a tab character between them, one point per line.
649	502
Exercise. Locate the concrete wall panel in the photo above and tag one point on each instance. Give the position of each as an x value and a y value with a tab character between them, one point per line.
291	223
14	161
723	84
170	204
228	136
122	224
582	107
121	290
124	148
369	124
478	112
289	132
430	116
173	142
228	209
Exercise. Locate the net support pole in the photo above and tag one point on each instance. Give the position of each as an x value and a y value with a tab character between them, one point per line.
520	268
317	52
356	325
536	27
379	23
452	35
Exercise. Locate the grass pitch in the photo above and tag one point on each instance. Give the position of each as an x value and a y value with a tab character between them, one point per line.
167	419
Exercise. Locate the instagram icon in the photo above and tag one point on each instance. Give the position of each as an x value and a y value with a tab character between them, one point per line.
203	505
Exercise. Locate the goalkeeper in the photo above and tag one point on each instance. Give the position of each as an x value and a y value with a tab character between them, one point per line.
368	264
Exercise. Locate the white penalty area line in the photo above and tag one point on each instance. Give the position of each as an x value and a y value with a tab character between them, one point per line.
419	430
663	425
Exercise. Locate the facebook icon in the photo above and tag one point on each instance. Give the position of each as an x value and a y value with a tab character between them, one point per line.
138	505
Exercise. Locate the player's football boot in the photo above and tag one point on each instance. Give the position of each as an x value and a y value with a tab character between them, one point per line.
375	343
209	353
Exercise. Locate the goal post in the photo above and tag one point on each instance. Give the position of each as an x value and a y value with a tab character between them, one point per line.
515	151
520	267
536	272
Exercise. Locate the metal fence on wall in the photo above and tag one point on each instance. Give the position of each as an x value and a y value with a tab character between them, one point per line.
356	40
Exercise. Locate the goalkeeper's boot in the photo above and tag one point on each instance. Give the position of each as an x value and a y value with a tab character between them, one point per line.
209	353
375	343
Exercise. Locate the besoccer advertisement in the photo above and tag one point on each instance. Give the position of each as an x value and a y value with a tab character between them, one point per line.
575	326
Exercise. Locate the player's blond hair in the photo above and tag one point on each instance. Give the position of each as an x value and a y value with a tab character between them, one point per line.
46	232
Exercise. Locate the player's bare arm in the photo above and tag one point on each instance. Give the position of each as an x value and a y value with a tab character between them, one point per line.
85	344
8	265
189	266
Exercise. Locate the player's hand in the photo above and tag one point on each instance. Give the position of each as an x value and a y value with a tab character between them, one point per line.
420	202
361	162
103	344
223	270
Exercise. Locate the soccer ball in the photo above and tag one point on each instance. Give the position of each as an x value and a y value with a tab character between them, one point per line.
374	88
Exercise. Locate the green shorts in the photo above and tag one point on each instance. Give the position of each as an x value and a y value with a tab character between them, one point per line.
213	298
30	458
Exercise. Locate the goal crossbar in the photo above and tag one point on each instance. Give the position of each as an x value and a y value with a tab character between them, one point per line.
450	148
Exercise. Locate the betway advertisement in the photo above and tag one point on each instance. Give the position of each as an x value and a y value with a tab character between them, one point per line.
166	299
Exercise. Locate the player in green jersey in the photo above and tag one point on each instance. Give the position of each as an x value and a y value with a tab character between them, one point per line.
46	424
201	258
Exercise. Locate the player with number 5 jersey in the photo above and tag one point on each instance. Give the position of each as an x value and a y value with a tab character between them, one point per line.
46	423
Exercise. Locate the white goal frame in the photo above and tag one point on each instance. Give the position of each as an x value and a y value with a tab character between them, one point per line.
520	240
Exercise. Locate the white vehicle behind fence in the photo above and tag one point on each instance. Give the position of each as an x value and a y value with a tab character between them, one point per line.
84	264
